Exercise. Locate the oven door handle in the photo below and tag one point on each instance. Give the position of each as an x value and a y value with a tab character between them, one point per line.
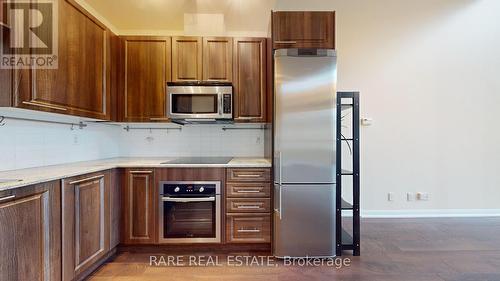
185	200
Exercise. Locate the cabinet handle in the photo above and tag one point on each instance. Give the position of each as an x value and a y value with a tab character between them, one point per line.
249	230
159	119
44	105
87	179
285	42
248	176
248	207
7	198
247	191
141	172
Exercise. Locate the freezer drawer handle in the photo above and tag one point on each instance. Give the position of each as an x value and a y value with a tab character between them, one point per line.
248	230
186	200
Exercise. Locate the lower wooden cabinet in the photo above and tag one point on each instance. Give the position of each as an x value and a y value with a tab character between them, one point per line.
248	205
30	233
85	222
139	207
248	228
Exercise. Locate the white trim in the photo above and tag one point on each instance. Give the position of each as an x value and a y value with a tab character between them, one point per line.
98	16
431	213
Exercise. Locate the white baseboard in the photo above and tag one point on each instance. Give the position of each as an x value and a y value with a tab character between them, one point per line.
431	213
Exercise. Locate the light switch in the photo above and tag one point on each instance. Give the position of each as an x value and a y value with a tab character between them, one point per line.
366	121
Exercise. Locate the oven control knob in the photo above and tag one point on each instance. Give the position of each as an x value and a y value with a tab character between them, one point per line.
177	189
201	189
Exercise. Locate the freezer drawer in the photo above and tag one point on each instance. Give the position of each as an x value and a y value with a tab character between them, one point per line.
304	220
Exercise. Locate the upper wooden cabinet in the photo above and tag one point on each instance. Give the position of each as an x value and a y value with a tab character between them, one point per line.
85	231
30	233
145	76
186	58
249	79
217	58
303	30
80	85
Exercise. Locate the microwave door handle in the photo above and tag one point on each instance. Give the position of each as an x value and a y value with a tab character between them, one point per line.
221	106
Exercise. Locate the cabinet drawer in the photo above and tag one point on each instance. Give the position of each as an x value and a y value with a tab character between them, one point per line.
248	228
259	189
248	205
252	175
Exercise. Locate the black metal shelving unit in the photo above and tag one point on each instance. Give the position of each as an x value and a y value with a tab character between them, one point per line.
348	101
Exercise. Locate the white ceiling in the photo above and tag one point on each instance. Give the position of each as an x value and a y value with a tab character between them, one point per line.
167	16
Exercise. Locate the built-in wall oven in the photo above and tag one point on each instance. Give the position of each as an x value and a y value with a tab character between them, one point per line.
190	212
200	101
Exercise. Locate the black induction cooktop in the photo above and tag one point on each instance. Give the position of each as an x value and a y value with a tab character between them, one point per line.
200	160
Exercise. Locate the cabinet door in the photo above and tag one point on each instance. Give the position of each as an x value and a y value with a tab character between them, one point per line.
80	84
147	71
186	58
250	79
115	207
85	216
140	207
303	30
217	59
30	233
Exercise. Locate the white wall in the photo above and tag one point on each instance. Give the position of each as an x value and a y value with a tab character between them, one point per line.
428	72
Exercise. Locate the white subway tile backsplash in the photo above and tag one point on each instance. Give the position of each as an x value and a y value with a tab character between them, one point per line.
27	144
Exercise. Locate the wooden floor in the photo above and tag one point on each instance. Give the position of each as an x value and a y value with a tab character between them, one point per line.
466	249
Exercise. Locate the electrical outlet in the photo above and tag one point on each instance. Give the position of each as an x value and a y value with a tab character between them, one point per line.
423	196
258	140
410	196
75	139
390	196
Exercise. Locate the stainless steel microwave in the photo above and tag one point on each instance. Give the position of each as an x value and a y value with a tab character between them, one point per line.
200	101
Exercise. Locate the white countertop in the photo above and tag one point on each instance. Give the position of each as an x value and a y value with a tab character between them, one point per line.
49	173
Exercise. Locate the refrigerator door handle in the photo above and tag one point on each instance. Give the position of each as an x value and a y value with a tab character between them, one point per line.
280	170
281	204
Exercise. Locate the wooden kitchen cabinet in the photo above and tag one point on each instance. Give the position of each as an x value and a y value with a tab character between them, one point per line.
30	233
217	59
187	58
248	228
248	205
249	79
85	217
146	63
80	85
115	207
139	207
303	30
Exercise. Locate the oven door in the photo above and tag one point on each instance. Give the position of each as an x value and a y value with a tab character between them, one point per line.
190	220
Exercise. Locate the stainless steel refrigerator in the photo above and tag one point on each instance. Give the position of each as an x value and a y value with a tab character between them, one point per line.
304	152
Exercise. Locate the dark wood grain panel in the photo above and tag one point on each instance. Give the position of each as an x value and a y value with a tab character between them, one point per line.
140	207
190	174
293	29
85	215
250	77
146	72
187	58
80	86
115	207
248	228
217	58
252	190
30	233
249	174
248	205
